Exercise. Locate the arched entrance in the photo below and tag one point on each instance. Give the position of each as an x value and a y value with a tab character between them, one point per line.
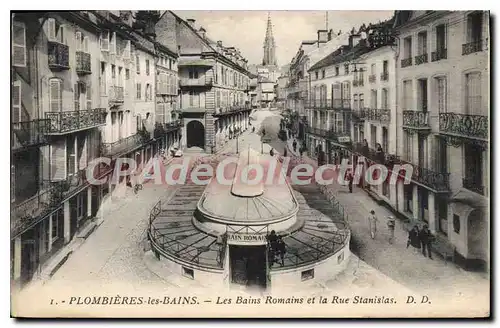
195	134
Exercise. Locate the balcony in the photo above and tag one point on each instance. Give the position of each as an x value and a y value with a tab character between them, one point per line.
162	129
29	133
379	115
416	120
421	59
27	213
232	110
341	104
372	78
358	83
472	47
405	62
464	125
331	134
359	114
384	76
73	121
58	55
116	95
439	54
474	185
200	82
124	145
83	63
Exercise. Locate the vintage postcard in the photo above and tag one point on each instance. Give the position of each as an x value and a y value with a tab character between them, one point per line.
187	164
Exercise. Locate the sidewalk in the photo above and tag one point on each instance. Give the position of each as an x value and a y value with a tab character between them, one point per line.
406	266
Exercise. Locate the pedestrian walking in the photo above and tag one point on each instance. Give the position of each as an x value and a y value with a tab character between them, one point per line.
294	144
350	179
413	238
426	241
391	225
372	221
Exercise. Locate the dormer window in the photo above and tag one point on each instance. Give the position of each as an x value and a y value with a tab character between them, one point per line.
56	31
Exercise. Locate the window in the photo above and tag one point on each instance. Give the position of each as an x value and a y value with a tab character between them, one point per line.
385	67
147	66
373	69
103	78
191	98
408	198
112	44
104	40
19	54
317	74
408	146
336	71
355	102
16	102
55	96
441	94
127	74
76	95
170	64
473	167
217	101
78	41
137	64
126	51
473	93
373	99
89	96
193	74
120	76
422	95
81	205
138	88
456	223
56	31
361	101
71	166
346	69
408	51
148	92
440	37
113	72
385	98
55	226
407	94
422	43
306	275
475	27
323	74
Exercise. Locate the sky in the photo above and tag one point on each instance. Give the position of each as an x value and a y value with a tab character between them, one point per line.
246	30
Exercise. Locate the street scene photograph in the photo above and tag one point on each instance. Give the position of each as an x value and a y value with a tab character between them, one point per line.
250	164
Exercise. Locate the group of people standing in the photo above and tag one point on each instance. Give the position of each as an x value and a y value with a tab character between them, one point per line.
417	238
277	249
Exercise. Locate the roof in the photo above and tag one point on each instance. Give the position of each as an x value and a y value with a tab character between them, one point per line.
341	55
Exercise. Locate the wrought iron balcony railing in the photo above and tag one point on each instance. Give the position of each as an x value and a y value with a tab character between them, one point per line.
232	109
406	62
473	184
200	82
116	95
414	119
421	59
376	114
372	78
83	63
29	133
58	55
464	125
360	113
358	82
162	129
439	54
331	134
472	47
72	121
124	145
384	76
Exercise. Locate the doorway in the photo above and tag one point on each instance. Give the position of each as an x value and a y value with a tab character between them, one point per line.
248	265
195	134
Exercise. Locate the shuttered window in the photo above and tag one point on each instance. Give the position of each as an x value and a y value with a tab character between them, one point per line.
89	96
82	151
19	55
160	113
55	91
78	39
71	155
473	93
76	96
58	160
16	102
138	93
137	64
112	44
441	94
104	40
51	29
86	44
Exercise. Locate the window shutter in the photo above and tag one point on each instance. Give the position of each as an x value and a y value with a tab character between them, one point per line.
51	25
82	151
78	39
86	44
160	113
137	64
55	96
16	102
76	96
12	183
112	43
61	36
104	39
89	96
58	160
19	44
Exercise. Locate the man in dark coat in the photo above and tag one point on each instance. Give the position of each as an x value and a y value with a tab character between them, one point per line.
425	240
413	238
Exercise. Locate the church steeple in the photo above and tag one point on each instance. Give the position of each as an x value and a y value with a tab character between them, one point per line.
269	45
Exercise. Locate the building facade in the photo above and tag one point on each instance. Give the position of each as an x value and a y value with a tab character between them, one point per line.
213	83
443	123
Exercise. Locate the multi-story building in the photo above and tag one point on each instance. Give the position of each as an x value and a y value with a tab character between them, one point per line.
443	126
213	83
280	90
265	92
56	117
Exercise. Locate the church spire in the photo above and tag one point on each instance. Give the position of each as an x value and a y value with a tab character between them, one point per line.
269	45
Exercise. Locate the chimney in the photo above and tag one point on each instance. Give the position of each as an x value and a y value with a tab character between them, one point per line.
202	32
219	44
322	36
191	21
